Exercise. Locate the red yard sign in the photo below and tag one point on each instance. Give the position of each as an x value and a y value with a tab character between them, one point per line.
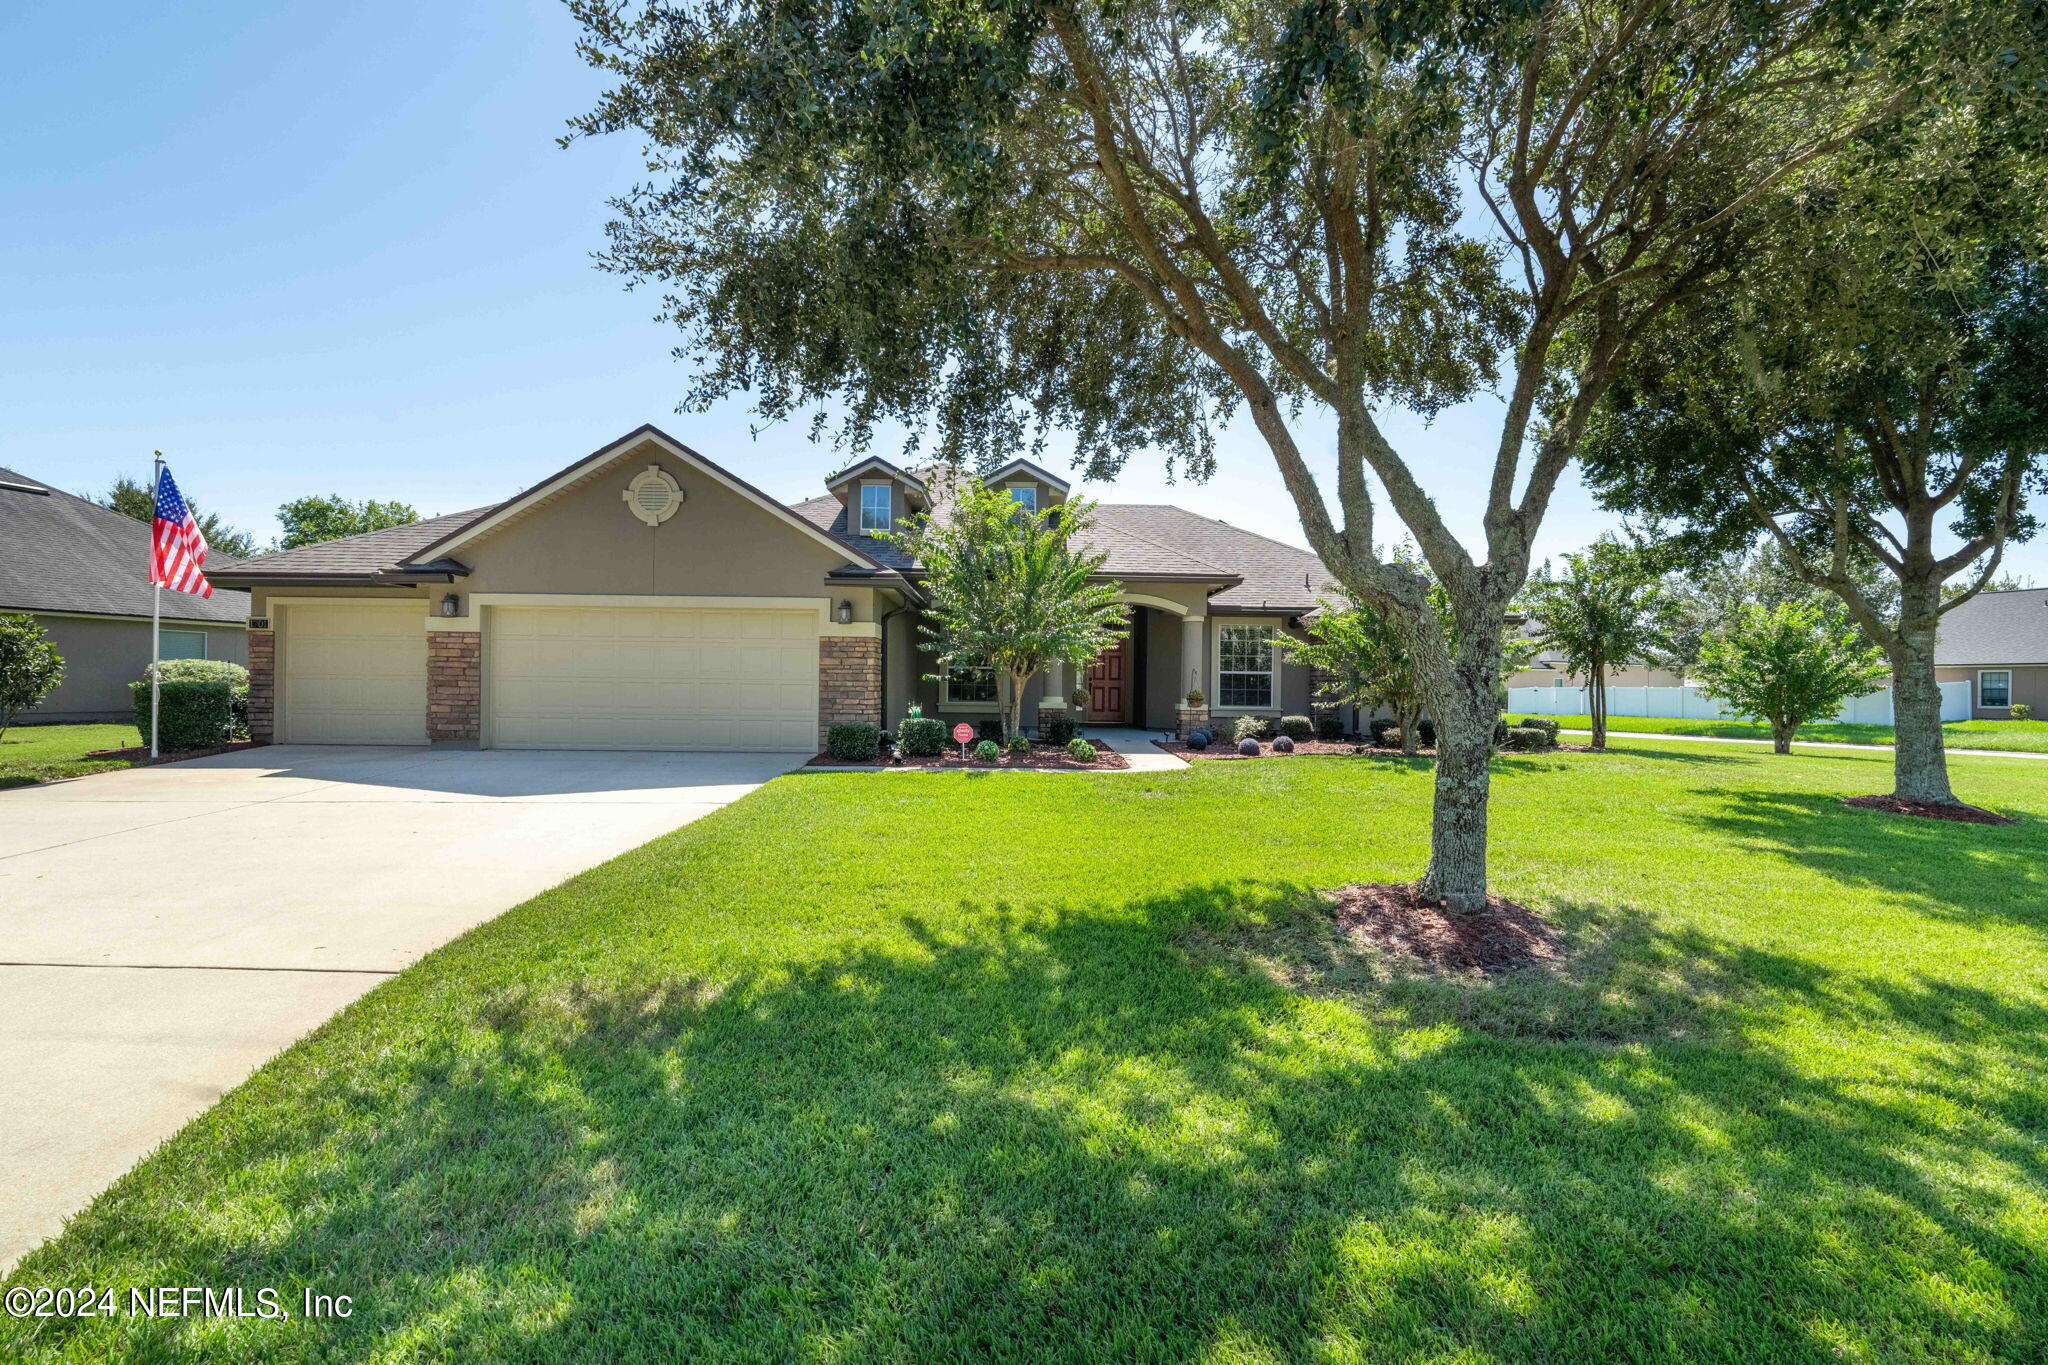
962	732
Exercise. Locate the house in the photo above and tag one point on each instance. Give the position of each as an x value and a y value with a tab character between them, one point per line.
1998	643
82	572
646	598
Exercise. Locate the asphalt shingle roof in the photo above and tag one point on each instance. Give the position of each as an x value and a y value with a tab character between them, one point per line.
366	553
1995	628
59	552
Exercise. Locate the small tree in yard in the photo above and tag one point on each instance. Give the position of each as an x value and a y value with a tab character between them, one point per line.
1366	663
1010	590
1608	607
1788	666
30	667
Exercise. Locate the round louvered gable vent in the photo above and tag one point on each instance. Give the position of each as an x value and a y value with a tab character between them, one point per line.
653	496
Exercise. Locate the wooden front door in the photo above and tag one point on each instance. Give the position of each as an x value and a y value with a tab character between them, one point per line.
1106	681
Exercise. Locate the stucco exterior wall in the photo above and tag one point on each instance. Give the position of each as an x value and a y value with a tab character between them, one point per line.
2029	685
102	656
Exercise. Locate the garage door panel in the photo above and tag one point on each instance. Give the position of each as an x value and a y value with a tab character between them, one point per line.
652	678
354	674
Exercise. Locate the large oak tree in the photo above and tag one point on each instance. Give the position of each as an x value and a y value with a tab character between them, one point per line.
989	219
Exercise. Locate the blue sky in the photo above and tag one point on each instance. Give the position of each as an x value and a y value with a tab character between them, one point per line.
334	248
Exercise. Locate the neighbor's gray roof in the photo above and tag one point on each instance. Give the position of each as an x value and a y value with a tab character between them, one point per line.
62	553
364	554
1995	628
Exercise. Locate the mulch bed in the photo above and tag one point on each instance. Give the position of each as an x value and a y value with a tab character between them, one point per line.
139	755
1892	805
1224	748
1047	759
1391	918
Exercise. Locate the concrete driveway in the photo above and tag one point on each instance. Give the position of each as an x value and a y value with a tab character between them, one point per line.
165	931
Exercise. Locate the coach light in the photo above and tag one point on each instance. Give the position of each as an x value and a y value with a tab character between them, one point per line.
451	605
844	616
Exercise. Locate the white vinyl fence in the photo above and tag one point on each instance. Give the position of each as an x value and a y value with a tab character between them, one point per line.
1687	703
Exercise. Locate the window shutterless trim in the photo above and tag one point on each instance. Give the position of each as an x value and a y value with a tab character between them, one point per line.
1984	705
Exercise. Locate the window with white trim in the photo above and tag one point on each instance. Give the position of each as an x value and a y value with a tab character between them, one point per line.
1025	496
1994	687
1244	667
181	644
874	508
969	683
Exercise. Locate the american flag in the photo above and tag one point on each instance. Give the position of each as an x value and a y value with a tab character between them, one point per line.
177	552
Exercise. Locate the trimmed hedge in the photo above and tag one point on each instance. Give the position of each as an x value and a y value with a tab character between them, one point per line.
987	752
1284	745
212	670
1529	739
1544	723
1249	747
1329	727
1297	727
1018	744
1058	727
921	737
192	715
856	743
1081	751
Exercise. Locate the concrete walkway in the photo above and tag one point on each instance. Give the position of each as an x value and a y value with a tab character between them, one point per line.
1805	744
1137	748
164	931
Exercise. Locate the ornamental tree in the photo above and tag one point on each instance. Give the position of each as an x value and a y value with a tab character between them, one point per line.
30	667
1010	590
1607	607
1788	666
991	219
1875	396
1365	663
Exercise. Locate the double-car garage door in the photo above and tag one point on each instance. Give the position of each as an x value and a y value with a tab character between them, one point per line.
572	677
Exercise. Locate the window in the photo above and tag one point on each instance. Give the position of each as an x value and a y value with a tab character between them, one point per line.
181	644
1244	667
970	683
1994	687
1025	496
874	508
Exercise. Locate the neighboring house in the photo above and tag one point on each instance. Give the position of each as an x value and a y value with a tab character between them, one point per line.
645	598
82	571
1998	643
1547	668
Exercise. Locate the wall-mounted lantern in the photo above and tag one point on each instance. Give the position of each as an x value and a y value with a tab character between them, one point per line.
844	615
451	605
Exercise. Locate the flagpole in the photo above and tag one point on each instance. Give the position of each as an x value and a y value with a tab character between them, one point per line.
156	609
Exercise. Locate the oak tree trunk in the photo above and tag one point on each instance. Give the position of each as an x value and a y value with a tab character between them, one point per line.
1466	711
1920	757
1781	737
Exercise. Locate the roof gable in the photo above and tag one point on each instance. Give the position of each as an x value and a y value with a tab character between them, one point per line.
1994	629
875	464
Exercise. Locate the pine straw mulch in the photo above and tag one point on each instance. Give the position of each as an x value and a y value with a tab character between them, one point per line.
1040	759
1927	810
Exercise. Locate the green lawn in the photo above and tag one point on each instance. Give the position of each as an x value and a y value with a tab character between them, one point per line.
932	1068
40	753
2020	736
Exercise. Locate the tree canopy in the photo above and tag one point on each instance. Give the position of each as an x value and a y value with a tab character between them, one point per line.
1787	666
314	518
1607	608
134	498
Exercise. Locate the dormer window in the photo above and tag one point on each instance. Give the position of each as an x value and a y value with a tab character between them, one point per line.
875	509
1026	498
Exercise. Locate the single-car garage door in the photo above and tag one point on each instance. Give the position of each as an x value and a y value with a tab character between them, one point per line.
651	678
354	673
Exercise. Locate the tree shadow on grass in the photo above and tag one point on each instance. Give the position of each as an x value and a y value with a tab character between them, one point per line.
1088	1135
1972	874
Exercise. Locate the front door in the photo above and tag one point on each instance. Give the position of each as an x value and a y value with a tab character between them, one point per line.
1106	681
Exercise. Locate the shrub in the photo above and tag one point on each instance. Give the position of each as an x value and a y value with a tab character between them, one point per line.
921	736
1297	727
989	729
191	715
856	743
2022	711
1199	740
1059	727
987	752
1283	745
1380	728
1426	731
30	666
1081	751
1543	723
1018	744
212	670
1248	727
1500	732
1329	727
1529	739
1248	746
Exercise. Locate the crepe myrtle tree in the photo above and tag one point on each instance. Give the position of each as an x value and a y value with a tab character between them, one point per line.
1130	222
1788	666
1010	589
30	667
1608	606
1875	401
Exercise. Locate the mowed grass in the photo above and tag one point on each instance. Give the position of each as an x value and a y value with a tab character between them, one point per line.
42	753
2017	736
932	1068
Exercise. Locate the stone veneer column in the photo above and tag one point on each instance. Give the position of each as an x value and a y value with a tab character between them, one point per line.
849	681
455	685
262	685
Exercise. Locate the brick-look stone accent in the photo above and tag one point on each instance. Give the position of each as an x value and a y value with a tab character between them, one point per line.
455	684
263	685
849	682
1188	719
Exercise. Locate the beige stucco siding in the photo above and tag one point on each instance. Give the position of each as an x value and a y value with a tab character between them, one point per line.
103	656
2029	686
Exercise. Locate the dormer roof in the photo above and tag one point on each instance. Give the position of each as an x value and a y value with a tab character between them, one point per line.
875	464
1028	470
